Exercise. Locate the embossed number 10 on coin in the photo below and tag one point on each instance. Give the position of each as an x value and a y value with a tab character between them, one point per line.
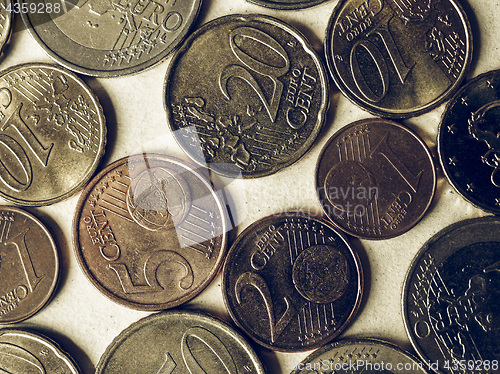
246	94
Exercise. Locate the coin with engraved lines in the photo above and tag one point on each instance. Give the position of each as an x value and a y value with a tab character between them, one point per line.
5	23
398	58
375	179
246	94
292	282
112	37
451	298
150	231
27	352
52	134
179	342
29	265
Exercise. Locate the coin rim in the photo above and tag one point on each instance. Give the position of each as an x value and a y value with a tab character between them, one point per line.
172	314
440	134
353	341
136	69
285	6
396	114
371	121
308	49
416	260
136	305
57	266
35	335
355	257
99	154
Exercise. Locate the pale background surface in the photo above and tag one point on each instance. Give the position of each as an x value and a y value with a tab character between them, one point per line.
85	322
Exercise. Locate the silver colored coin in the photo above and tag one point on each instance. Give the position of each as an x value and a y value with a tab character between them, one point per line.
451	298
180	342
5	22
110	38
286	4
28	352
357	356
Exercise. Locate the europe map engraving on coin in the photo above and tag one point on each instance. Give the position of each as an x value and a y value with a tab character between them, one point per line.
291	282
451	298
398	58
108	38
150	232
52	134
246	94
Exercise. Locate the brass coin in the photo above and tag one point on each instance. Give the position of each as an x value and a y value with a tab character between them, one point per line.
150	232
109	39
398	58
6	8
468	142
451	298
291	282
375	179
286	4
27	352
180	342
257	106
361	356
52	134
29	265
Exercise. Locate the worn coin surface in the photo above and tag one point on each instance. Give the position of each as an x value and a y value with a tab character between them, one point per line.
52	134
28	352
29	265
179	342
246	94
451	298
361	356
468	142
6	7
375	179
398	58
109	38
286	4
150	232
292	282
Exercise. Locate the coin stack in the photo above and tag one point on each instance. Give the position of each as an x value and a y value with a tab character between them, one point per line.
286	186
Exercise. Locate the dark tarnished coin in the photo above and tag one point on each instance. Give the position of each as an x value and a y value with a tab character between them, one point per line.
246	94
109	38
292	282
28	352
363	356
179	342
29	265
468	141
150	232
6	7
52	134
375	179
451	298
286	4
398	58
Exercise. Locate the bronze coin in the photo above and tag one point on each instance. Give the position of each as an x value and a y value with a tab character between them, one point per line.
52	134
375	179
468	142
361	356
150	232
246	94
398	58
28	352
109	38
179	342
29	265
451	298
292	282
